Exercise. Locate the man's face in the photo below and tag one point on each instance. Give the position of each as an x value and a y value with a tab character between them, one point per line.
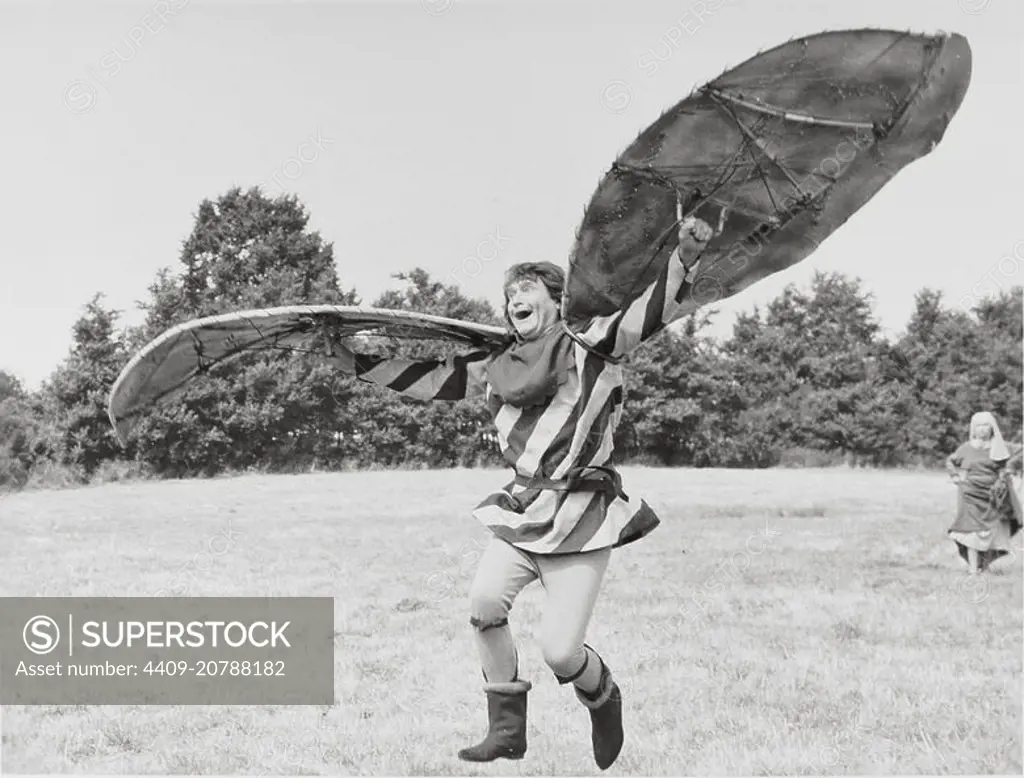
530	308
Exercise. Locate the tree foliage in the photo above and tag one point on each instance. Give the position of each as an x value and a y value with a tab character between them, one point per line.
807	378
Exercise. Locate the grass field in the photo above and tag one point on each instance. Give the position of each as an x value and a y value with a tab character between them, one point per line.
778	622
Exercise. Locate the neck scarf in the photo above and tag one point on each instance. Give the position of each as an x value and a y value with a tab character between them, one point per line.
997	447
528	373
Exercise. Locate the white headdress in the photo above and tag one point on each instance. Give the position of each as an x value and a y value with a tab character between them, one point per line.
998	449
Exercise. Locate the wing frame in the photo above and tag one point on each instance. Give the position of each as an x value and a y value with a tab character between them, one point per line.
127	399
890	93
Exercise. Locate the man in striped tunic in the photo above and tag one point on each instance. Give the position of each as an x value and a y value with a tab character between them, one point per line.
556	399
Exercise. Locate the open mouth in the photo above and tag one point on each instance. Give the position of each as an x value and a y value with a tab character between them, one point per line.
522	313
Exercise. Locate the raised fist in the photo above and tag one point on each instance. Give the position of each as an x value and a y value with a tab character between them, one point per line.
696	228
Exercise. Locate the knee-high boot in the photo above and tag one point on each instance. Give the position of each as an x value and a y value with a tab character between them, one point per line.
506	715
605	707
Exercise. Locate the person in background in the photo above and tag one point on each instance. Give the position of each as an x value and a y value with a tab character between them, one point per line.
988	509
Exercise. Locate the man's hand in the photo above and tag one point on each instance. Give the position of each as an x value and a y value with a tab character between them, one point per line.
344	358
338	353
692	228
693	233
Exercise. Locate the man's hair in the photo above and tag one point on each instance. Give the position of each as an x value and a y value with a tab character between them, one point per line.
548	273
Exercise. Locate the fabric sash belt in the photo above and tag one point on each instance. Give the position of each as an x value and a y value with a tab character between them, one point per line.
607	481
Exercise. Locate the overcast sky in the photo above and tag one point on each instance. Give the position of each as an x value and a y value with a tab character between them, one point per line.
432	131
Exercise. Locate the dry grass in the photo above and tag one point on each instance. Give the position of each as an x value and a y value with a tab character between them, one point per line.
848	644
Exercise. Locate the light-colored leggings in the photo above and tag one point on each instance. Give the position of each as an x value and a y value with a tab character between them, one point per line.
571	583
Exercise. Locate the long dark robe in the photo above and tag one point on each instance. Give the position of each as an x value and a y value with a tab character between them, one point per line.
987	499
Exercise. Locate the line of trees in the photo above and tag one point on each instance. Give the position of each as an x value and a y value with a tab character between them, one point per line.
808	379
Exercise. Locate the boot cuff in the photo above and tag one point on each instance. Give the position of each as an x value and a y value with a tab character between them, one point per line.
512	687
605	691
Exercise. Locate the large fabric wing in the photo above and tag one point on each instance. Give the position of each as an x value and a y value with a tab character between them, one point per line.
165	366
778	152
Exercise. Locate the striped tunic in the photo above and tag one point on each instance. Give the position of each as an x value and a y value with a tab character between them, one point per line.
573	429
